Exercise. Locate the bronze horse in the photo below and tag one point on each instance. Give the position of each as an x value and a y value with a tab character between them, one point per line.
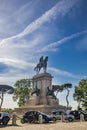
42	64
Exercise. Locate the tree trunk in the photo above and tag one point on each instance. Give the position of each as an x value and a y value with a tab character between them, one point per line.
67	97
1	100
78	105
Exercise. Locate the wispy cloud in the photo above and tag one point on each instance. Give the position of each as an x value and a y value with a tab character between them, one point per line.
61	8
16	63
22	14
13	17
19	50
53	46
23	65
27	30
64	73
13	51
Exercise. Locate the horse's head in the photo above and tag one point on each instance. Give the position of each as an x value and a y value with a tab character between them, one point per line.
46	58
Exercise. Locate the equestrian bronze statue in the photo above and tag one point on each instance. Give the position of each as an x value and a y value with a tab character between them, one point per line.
42	64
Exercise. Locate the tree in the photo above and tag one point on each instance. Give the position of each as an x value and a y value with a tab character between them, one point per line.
80	94
67	86
57	89
22	91
3	90
77	95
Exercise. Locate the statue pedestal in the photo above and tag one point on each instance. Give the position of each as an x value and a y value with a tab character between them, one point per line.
42	108
42	81
42	102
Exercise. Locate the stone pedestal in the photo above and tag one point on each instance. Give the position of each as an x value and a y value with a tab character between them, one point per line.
51	101
41	102
42	81
42	108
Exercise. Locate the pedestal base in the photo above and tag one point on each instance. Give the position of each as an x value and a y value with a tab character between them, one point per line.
42	102
42	108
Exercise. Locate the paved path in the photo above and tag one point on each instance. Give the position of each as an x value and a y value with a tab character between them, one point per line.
49	126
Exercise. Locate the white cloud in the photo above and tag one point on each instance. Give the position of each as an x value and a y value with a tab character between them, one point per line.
13	16
22	14
11	77
64	73
16	63
53	46
17	52
61	8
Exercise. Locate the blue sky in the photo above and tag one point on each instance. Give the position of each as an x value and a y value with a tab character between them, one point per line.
53	28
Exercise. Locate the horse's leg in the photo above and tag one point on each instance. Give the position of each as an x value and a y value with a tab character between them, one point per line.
44	68
38	69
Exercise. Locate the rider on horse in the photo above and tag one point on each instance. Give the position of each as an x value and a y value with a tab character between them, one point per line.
42	64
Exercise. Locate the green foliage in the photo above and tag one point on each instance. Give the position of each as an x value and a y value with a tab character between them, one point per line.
60	88
57	88
80	94
67	86
22	91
